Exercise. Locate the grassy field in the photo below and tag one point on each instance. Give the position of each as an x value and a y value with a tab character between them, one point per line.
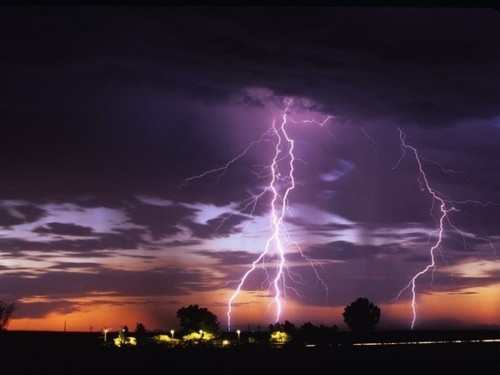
49	352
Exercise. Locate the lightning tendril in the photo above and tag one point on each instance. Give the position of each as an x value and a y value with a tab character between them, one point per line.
445	207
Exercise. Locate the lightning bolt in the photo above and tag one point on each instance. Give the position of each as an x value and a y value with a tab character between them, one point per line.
281	174
280	187
281	183
445	207
443	212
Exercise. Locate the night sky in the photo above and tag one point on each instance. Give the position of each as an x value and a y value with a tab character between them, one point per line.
117	123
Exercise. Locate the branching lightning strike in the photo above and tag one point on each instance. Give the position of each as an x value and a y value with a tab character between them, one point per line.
281	184
443	212
446	206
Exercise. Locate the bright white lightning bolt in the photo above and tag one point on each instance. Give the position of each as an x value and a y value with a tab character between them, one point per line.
283	151
282	182
445	207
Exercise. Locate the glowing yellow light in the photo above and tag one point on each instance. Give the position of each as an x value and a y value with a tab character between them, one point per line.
279	337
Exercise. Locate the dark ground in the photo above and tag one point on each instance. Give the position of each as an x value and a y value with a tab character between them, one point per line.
53	353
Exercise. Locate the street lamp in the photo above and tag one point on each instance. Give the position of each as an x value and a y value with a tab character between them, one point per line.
106	330
238	332
172	333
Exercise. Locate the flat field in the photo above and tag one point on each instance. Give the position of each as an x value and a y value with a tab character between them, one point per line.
447	353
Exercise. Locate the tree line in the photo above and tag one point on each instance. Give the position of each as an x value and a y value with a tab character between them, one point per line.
361	315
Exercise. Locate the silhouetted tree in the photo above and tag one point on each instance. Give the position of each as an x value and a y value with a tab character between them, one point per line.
289	328
361	315
275	327
140	329
6	311
194	318
140	334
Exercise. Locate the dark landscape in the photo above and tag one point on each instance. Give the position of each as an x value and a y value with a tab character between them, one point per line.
398	352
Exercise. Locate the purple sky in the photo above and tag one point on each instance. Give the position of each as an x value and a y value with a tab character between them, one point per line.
106	111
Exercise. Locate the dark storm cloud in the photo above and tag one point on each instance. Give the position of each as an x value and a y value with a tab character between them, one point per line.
229	257
159	220
323	229
165	221
64	229
453	284
461	244
61	287
155	282
91	247
368	62
95	97
19	214
222	226
182	243
68	266
42	309
345	251
375	61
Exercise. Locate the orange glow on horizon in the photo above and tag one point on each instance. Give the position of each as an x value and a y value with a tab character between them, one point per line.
475	306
